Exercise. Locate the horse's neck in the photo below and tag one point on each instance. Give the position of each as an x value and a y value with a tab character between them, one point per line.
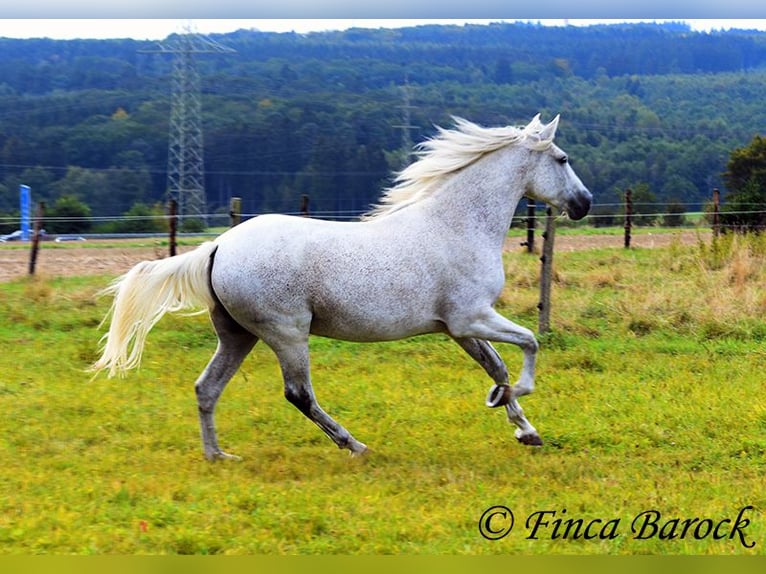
481	199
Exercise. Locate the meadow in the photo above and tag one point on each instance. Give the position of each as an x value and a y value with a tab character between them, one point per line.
649	399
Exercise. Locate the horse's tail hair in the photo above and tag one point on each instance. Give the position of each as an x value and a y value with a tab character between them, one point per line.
144	294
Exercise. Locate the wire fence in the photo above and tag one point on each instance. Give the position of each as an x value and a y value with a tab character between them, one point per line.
690	217
356	214
170	225
602	215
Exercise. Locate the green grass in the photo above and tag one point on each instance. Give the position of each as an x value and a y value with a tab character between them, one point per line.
649	397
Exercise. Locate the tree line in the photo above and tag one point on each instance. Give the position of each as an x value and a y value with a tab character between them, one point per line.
652	107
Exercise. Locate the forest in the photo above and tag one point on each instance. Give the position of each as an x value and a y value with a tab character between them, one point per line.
657	108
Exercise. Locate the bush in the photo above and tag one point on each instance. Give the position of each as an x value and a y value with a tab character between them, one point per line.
9	222
68	215
192	225
745	210
142	218
675	215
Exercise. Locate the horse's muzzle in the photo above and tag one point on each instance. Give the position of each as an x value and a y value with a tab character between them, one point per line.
579	206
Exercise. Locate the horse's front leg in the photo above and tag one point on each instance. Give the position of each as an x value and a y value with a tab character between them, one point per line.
501	393
495	327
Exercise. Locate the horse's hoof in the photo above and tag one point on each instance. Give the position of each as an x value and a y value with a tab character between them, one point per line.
360	454
530	439
220	455
358	450
499	395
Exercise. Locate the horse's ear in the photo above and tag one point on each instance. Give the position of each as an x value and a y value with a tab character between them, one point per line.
535	124
549	131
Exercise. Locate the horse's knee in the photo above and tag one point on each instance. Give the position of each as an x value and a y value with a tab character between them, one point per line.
529	344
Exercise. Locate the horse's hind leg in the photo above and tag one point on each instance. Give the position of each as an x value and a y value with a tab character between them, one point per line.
486	355
293	355
234	344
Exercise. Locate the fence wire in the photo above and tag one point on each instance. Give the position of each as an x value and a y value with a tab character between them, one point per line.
597	217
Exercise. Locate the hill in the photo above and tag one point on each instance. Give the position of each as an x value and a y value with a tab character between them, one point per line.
649	106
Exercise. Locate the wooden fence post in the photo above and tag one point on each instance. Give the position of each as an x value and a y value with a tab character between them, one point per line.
173	221
716	208
235	211
36	236
546	273
530	242
628	217
305	205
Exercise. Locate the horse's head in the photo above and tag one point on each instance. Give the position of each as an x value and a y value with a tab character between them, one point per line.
551	178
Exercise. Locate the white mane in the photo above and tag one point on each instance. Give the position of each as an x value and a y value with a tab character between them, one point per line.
448	152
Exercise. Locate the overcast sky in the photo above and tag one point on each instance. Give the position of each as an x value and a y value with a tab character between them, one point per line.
159	29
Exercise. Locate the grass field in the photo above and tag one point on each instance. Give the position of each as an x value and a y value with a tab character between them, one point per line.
649	398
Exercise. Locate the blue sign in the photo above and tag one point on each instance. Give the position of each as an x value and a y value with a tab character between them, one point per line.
25	196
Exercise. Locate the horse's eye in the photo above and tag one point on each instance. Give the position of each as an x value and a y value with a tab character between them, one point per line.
563	159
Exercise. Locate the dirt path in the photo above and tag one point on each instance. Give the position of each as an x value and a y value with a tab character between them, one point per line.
77	260
90	259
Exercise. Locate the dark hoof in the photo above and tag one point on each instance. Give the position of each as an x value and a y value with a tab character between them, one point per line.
499	396
530	440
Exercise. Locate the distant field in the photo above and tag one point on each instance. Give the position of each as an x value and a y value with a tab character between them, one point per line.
649	398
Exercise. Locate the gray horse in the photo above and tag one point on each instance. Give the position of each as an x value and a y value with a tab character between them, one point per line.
427	259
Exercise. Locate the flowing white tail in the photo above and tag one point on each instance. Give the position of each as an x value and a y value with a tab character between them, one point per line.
144	294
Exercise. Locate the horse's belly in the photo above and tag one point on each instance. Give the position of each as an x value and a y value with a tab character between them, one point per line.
371	327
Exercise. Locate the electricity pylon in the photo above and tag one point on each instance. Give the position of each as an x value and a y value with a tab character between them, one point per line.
406	126
186	169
